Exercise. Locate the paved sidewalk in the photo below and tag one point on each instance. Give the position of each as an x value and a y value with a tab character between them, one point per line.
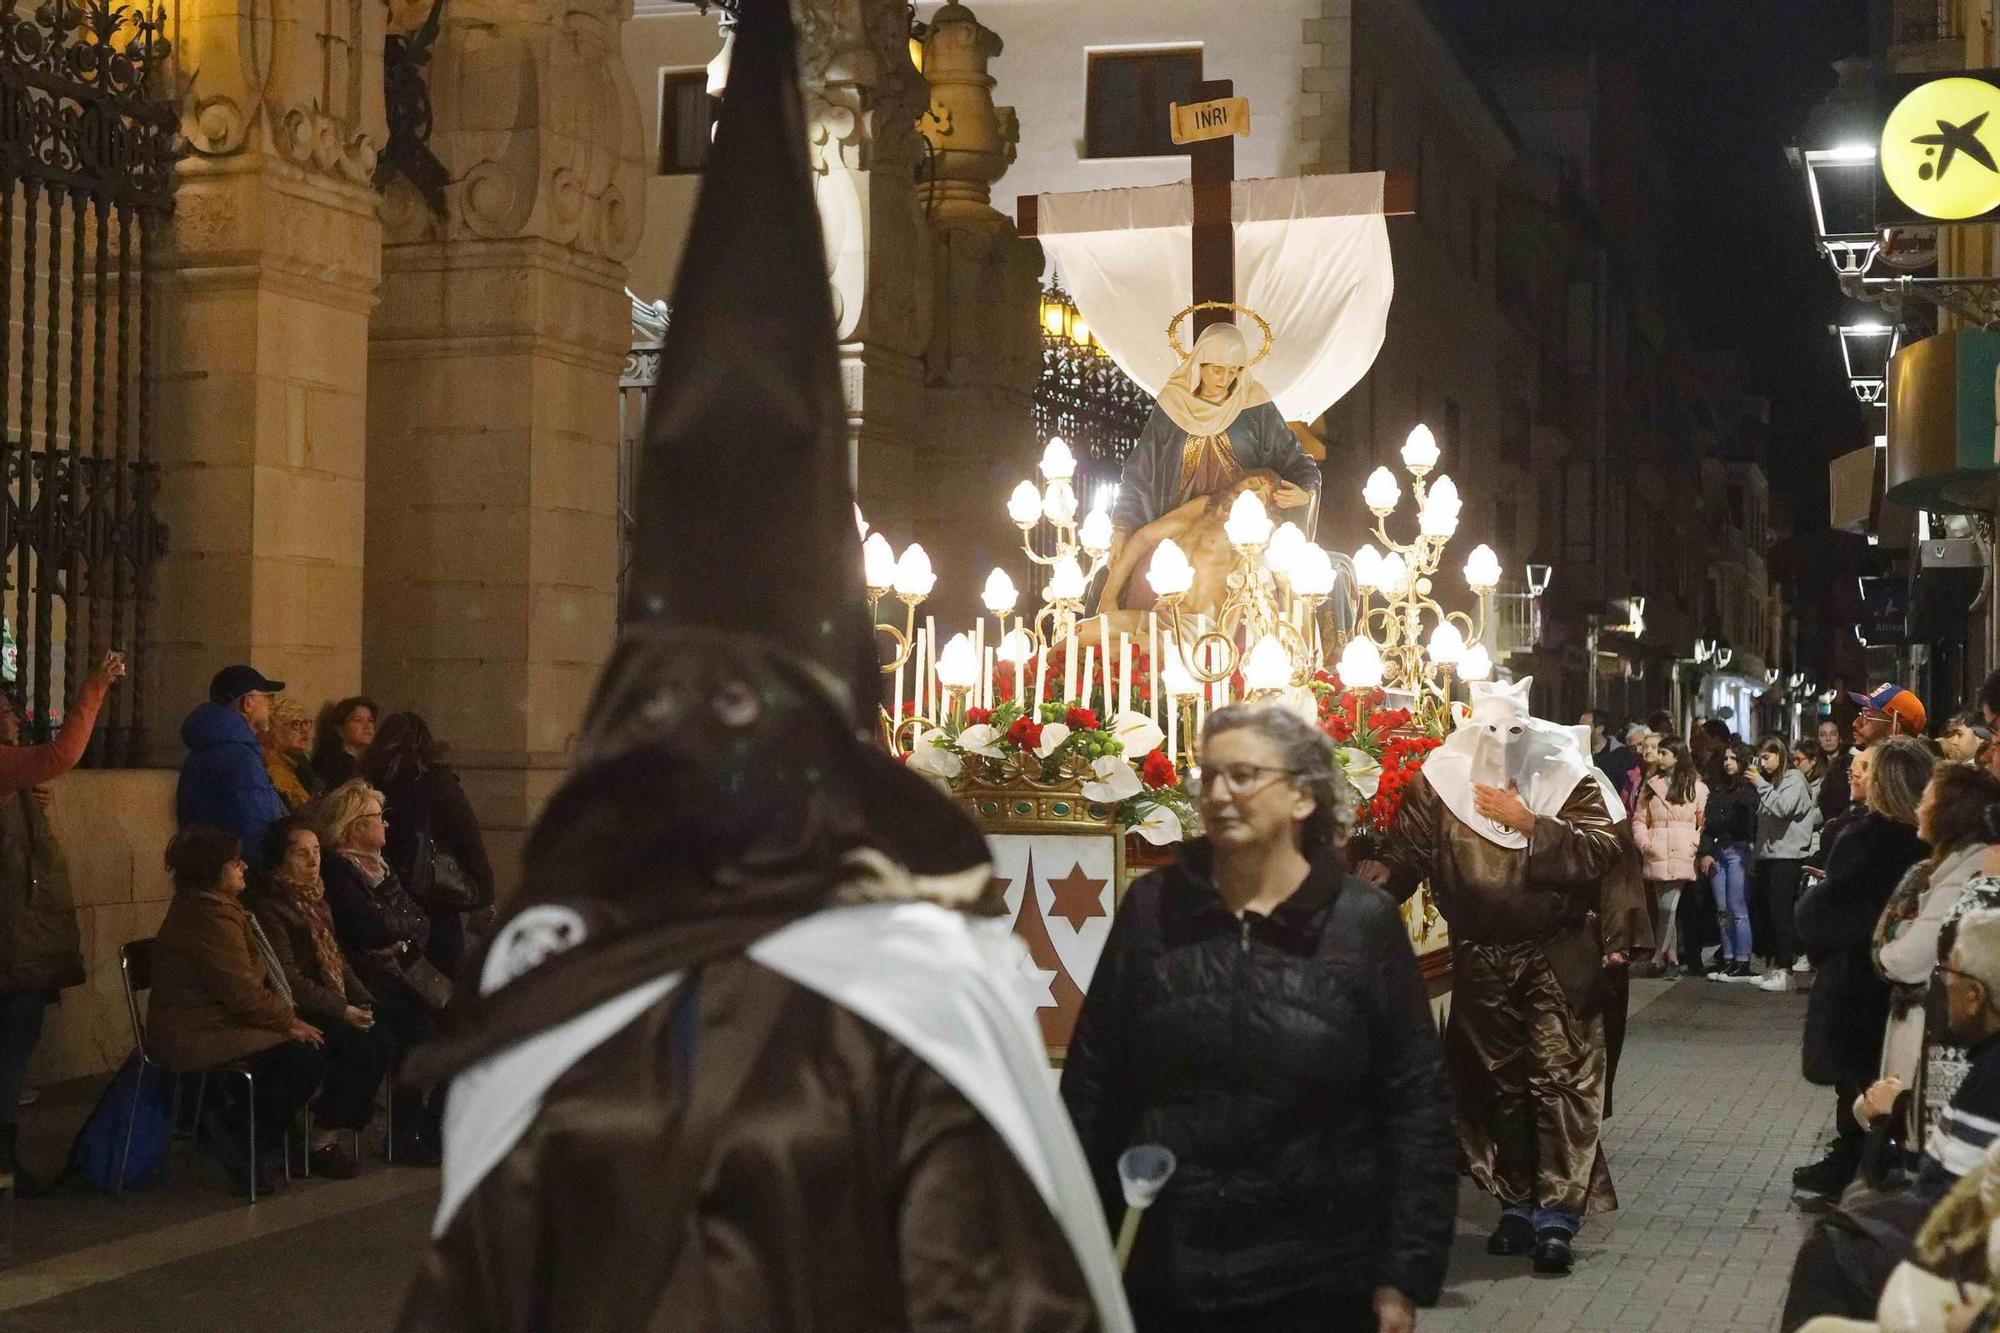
1712	1117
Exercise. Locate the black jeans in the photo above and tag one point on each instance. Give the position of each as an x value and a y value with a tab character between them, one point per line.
1303	1312
405	1023
20	1028
357	1059
1778	894
287	1075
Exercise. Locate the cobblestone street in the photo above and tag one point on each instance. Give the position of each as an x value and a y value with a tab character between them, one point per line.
1712	1118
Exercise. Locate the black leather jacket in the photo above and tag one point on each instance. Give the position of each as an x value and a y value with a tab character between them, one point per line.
1292	1064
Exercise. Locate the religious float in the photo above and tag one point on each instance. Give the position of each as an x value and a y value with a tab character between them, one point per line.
1066	725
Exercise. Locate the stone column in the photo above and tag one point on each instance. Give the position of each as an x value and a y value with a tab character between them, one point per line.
985	349
493	426
267	281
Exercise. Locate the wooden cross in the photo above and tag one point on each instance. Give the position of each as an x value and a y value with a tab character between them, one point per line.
1212	179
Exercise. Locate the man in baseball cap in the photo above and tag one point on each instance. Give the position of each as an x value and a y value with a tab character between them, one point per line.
1890	711
223	781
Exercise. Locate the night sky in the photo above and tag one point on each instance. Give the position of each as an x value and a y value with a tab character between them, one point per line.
1728	85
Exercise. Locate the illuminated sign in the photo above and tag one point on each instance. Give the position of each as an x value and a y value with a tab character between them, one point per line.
1940	149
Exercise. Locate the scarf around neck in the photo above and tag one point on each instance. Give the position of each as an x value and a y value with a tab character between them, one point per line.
371	865
310	894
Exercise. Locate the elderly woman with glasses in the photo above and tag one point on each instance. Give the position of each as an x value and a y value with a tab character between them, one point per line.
382	931
1259	1011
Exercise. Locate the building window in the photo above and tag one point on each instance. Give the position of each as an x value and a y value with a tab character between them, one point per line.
1126	109
687	120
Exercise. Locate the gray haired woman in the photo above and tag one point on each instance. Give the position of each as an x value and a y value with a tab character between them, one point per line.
1259	1011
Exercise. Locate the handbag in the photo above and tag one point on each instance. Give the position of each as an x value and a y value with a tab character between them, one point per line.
438	880
430	986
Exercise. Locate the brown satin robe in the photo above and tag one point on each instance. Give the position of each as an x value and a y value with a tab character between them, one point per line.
847	1187
1529	930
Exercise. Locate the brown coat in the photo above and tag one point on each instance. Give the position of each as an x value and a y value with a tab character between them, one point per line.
290	932
830	1194
212	997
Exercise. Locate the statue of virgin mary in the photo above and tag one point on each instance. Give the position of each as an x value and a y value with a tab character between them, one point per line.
1213	424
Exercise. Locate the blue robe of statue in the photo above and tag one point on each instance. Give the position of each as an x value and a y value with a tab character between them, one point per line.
1169	467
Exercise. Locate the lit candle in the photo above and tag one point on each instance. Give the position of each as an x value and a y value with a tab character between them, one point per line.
1089	674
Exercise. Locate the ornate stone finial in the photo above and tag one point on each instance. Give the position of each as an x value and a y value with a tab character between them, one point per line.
972	142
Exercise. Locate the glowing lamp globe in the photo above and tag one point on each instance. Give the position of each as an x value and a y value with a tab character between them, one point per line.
878	564
1059	502
1392	575
1477	664
1024	506
1176	679
1441	506
860	523
1000	594
1360	664
1169	574
1248	526
1095	534
1066	581
1312	571
1267	667
1381	492
1420	450
1446	644
1016	648
913	573
958	664
1286	545
1482	569
1368	566
1058	464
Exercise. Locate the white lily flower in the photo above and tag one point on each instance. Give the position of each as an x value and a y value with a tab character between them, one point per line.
1362	770
1137	733
1054	734
1116	781
1160	826
929	757
981	739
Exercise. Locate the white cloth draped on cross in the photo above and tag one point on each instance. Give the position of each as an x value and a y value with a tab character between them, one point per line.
1312	258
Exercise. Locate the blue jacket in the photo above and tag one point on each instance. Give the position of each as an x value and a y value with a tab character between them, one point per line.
223	782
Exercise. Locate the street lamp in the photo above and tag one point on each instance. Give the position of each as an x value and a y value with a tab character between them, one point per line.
1538	579
1866	346
1840	181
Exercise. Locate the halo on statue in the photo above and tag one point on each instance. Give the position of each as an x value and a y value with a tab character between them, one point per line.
1174	324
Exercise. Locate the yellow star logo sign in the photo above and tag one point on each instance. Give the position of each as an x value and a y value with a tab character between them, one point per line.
1938	149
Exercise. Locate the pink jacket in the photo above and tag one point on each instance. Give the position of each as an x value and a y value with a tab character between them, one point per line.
1668	834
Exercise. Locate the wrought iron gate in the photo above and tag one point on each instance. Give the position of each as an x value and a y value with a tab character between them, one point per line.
87	148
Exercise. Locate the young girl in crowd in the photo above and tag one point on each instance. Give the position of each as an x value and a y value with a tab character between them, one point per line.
1729	827
1666	823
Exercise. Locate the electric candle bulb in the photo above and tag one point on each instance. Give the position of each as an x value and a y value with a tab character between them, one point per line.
1477	664
1015	648
1312	571
1420	451
1382	491
1095	534
1000	594
913	573
1066	582
1170	574
1267	667
1482	569
1368	566
958	665
878	564
1059	502
1248	524
1447	645
1441	508
1360	664
1392	575
1287	544
1057	462
1024	506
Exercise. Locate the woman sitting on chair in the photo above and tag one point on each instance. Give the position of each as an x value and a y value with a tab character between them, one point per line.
219	998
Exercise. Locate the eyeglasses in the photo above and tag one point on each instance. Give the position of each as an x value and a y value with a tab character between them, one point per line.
1238	778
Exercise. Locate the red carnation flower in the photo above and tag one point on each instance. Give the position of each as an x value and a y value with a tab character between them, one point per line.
1026	733
1339	728
1082	719
1158	771
978	717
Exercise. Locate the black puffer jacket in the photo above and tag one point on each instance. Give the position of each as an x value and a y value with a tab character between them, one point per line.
1849	1001
1292	1065
1731	816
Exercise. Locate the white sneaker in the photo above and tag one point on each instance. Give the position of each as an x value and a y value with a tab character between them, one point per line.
1802	965
1777	981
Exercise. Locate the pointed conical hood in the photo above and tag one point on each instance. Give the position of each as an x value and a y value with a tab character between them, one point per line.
744	516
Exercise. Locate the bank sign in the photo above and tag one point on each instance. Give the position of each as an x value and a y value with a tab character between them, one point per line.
1939	157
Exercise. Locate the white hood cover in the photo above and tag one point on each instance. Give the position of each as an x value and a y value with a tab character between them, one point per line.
1496	742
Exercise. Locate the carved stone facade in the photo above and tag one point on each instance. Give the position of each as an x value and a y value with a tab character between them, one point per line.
263	370
493	425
